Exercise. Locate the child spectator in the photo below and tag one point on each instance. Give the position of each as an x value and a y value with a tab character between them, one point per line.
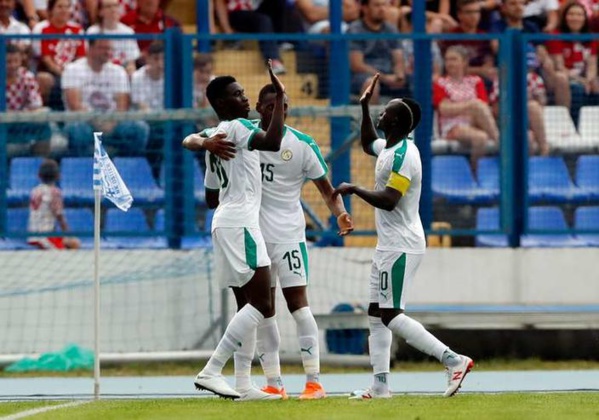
46	209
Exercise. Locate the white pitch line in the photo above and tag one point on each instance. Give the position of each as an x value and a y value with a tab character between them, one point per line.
40	410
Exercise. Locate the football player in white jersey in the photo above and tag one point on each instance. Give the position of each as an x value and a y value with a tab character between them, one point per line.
240	254
283	226
400	246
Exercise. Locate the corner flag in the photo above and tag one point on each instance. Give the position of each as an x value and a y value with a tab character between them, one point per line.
107	178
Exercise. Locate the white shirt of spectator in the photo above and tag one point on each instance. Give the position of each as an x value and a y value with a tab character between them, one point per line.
145	90
540	7
124	50
98	89
401	228
45	204
16	28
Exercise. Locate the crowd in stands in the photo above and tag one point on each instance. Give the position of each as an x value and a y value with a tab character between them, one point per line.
73	75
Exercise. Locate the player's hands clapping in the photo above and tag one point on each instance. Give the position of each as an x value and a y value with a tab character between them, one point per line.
279	86
367	95
345	223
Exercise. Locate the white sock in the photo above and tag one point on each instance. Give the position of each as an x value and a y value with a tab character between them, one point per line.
239	329
307	334
417	336
450	358
267	344
379	345
243	363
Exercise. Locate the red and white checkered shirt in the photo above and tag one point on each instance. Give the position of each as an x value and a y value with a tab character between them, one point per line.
22	94
235	5
45	205
63	51
535	88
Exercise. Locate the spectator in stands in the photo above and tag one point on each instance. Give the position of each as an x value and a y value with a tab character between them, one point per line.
315	14
462	104
147	94
25	12
543	13
149	18
255	17
482	60
576	60
10	26
408	51
203	73
368	57
93	83
46	210
126	51
22	95
83	12
55	53
438	17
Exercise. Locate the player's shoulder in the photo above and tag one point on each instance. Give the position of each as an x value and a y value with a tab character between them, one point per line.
301	137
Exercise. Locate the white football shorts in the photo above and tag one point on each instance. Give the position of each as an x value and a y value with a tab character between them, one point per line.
289	264
391	276
237	253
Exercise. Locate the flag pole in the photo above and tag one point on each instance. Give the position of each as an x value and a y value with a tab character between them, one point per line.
97	183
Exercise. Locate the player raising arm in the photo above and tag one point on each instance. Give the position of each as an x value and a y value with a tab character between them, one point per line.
400	246
240	254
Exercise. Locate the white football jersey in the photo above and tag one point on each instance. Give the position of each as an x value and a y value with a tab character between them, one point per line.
238	180
401	228
283	175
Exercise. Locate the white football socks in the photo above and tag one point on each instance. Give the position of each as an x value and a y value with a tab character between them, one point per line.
379	345
239	329
307	334
417	336
243	363
267	345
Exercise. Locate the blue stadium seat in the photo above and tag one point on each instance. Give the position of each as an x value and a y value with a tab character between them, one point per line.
587	176
199	191
77	181
22	178
16	222
131	222
137	175
549	181
453	181
81	220
193	241
488	219
550	219
488	175
587	218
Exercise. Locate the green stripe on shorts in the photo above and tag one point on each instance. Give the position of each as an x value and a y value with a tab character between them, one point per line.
304	251
398	272
251	253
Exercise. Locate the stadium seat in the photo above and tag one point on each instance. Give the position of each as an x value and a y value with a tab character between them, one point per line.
488	219
560	129
549	181
199	191
453	181
588	125
587	176
77	181
192	241
137	175
548	219
22	178
81	220
130	222
587	218
488	175
16	222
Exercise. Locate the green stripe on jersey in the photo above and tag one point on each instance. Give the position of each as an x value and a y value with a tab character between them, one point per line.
304	252
399	156
313	146
248	124
398	272
251	252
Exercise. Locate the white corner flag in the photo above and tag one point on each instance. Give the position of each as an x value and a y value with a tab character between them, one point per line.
107	178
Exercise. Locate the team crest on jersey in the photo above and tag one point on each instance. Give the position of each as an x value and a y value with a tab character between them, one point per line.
286	155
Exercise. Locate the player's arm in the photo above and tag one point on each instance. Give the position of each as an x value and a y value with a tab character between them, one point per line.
367	130
270	140
217	145
335	205
385	199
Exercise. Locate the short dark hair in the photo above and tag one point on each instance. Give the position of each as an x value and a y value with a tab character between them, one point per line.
216	88
410	111
156	47
266	89
460	4
202	59
12	48
48	171
52	3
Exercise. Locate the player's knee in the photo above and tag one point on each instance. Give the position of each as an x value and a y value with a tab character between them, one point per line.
374	310
387	315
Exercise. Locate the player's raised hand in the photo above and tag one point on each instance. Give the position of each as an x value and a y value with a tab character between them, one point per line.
218	146
365	98
279	86
343	189
345	223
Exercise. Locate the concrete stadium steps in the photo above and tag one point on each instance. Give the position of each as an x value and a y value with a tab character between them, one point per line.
248	61
184	11
294	84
